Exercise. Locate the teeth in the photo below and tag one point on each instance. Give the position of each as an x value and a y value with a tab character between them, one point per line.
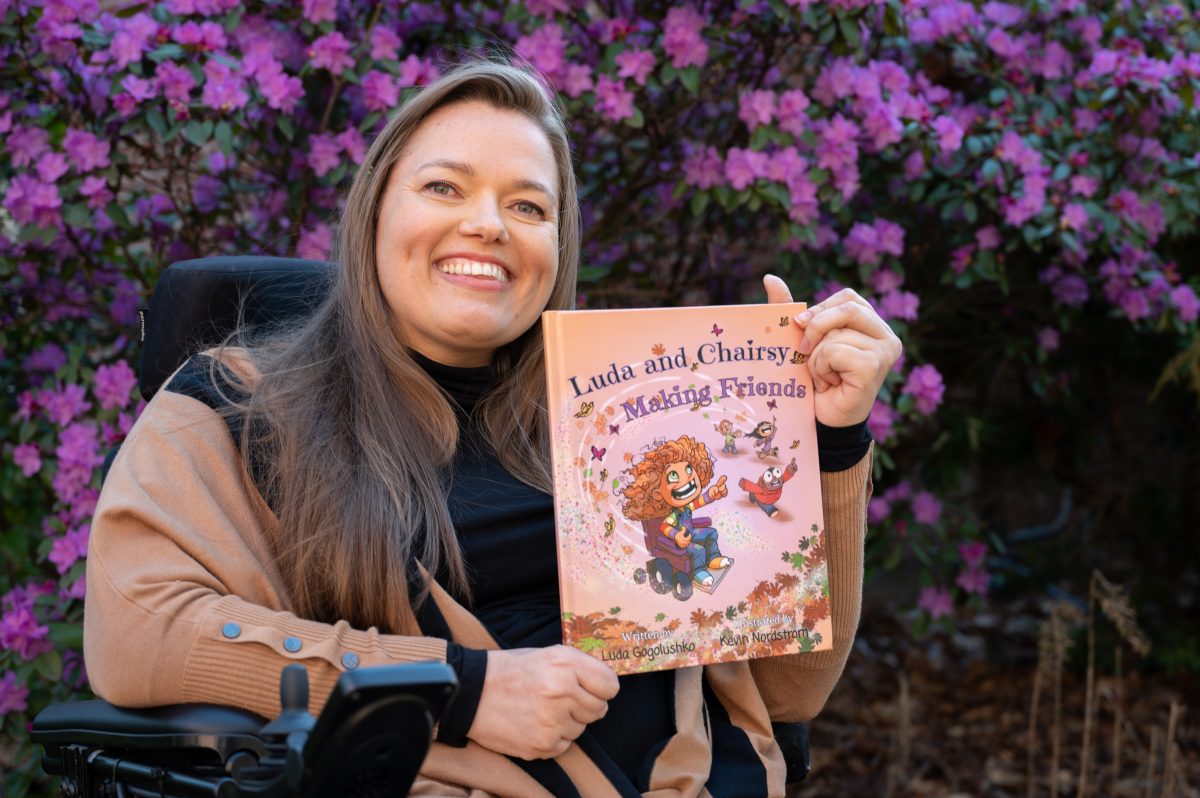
473	268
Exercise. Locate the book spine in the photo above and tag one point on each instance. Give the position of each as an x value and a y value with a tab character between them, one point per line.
552	336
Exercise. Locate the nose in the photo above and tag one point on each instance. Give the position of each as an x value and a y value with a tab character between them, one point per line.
484	219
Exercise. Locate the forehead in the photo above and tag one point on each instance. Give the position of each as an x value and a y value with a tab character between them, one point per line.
492	141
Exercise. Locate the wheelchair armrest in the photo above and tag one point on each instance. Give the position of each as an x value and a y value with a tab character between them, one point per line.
102	725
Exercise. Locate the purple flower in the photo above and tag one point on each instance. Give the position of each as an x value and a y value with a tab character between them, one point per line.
78	457
281	90
332	52
318	11
878	510
914	165
949	133
64	405
1070	289
137	88
743	167
131	40
223	88
756	108
881	126
613	99
315	243
577	80
973	580
21	633
836	143
175	82
973	553
380	91
547	8
924	384
26	144
28	458
324	154
862	244
352	143
702	167
385	43
936	601
206	193
682	38
204	36
69	549
416	71
636	64
899	305
791	111
1074	217
13	697
50	358
1048	339
987	237
113	385
1185	302
51	167
882	420
95	188
545	48
926	508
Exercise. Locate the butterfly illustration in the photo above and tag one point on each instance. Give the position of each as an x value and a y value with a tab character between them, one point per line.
798	358
603	474
695	366
795	443
598	454
627	549
658	349
717	330
695	405
608	411
609	526
628	457
585	409
772	404
614	429
783	321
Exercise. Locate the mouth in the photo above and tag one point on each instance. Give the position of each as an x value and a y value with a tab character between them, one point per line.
469	267
684	491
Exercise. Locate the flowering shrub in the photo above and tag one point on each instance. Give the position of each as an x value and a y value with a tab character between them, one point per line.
1035	159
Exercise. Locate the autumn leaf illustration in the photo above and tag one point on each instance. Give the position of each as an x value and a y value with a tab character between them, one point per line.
591	644
658	349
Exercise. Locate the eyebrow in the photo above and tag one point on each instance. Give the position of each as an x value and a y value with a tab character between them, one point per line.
469	171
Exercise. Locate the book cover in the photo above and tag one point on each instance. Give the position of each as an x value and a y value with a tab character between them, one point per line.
686	485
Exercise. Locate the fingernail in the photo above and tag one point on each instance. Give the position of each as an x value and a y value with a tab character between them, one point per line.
804	317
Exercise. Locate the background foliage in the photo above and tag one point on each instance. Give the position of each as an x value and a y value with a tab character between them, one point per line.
1013	185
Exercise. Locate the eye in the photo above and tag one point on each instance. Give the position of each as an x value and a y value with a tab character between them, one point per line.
527	208
441	188
688	469
673	476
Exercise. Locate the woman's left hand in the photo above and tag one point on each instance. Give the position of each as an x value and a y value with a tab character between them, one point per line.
850	351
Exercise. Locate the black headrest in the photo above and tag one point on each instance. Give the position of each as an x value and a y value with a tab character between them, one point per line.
198	303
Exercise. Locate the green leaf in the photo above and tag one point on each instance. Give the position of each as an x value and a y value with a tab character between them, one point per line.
989	169
690	78
157	122
285	127
668	73
893	21
198	132
165	53
970	211
974	145
118	215
49	665
638	120
997	96
1061	172
67	635
76	214
224	134
849	29
699	202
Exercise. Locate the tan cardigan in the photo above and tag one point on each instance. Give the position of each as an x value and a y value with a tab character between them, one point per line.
184	604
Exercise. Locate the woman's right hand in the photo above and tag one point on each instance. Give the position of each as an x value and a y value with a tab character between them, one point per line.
536	701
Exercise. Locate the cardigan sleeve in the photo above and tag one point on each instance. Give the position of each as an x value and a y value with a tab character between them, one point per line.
184	600
795	687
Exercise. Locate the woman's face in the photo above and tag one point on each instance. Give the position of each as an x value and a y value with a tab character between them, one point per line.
467	239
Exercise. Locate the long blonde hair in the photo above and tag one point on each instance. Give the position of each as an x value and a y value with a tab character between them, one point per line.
351	439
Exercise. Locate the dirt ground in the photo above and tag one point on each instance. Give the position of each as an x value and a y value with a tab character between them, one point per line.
948	715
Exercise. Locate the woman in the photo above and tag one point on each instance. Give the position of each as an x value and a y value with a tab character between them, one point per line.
375	487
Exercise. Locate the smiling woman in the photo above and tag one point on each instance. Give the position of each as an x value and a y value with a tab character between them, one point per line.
374	488
467	242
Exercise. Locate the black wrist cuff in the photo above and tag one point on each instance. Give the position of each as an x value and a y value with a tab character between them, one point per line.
839	448
471	665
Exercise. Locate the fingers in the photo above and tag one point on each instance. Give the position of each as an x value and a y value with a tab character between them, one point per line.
594	676
777	290
851	314
721	481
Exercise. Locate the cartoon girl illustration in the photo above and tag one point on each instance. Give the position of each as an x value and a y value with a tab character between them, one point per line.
667	485
764	437
731	436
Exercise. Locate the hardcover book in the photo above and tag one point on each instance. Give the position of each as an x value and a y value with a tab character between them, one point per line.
686	485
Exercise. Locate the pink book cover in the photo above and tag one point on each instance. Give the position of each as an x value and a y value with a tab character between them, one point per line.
686	485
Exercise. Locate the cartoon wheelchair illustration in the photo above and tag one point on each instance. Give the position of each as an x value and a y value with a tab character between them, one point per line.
669	569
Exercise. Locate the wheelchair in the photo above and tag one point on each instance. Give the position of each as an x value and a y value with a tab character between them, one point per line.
374	732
